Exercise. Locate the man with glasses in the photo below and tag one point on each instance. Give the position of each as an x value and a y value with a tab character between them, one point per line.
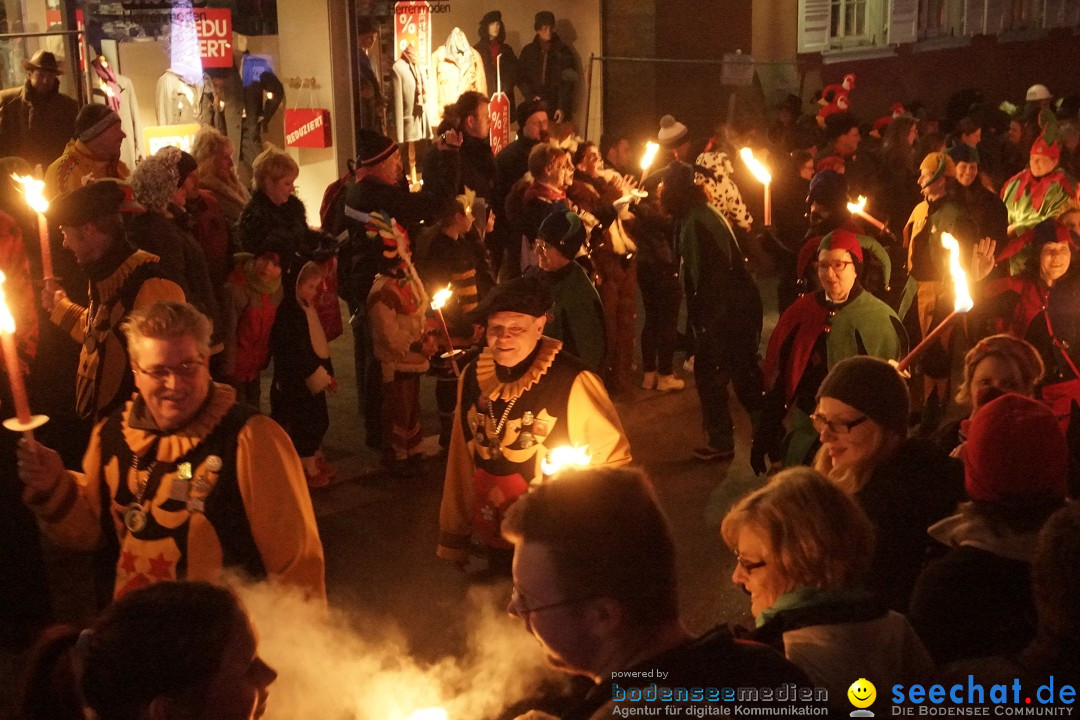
819	330
181	482
595	582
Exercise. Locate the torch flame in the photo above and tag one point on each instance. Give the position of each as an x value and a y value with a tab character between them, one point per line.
759	171
857	207
431	713
563	457
962	301
7	321
650	154
439	300
34	191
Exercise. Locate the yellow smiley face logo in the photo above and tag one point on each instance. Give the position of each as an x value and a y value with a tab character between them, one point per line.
862	693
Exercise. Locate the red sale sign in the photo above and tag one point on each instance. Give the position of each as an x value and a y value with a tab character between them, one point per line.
213	29
499	113
412	26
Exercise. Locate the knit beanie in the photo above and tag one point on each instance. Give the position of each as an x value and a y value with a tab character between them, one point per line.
840	239
93	120
374	148
672	133
938	164
1015	448
527	109
828	188
563	230
871	386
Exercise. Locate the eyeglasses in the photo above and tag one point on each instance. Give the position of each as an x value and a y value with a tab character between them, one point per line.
748	565
520	606
837	266
161	373
836	427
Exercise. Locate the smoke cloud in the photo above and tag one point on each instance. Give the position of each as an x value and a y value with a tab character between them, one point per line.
329	670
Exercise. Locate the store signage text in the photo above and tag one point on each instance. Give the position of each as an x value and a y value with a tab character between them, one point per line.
214	29
409	9
304	130
160	136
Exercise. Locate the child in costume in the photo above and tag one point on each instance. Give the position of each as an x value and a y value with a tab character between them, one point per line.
396	306
303	373
252	296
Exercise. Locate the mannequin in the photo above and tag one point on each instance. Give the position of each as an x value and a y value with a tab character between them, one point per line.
120	96
410	90
491	44
372	102
547	68
455	68
175	103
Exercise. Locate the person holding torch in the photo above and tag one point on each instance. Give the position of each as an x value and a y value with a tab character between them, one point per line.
522	397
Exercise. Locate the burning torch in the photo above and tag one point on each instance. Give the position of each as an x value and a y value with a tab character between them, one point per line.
437	302
651	149
34	192
562	458
859	208
23	421
762	175
961	304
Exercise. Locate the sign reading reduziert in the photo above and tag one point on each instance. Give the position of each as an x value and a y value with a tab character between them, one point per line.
213	27
159	136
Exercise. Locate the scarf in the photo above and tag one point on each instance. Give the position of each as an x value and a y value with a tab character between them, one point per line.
544	192
807	597
420	98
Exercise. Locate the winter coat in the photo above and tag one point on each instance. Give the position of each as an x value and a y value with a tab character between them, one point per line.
249	312
264	225
834	636
210	229
455	68
550	74
77	166
35	128
506	72
411	121
976	600
905	495
175	101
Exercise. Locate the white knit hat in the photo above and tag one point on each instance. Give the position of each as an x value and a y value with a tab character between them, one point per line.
672	133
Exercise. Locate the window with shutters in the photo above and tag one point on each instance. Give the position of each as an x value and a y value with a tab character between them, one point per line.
940	18
848	20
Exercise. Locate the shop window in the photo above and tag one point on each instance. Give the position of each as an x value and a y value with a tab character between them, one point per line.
941	18
1022	14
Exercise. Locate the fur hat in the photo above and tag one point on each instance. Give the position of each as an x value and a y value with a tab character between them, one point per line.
544	18
529	108
871	386
672	133
1015	448
154	179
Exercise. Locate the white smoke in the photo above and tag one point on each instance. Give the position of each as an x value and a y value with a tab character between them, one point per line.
328	670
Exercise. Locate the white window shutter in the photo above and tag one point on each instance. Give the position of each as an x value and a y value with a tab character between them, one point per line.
903	21
814	25
1054	13
974	17
995	16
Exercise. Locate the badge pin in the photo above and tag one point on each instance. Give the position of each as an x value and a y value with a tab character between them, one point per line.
183	471
213	463
528	418
180	489
135	519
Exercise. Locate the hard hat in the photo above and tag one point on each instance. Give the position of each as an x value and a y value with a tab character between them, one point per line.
1037	92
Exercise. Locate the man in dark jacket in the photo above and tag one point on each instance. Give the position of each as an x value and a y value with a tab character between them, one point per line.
548	69
380	187
984	207
595	583
510	166
462	156
37	120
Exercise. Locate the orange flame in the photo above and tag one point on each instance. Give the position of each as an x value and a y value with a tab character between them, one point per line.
34	192
962	301
757	168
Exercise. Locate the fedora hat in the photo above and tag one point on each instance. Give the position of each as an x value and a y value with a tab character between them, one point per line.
43	60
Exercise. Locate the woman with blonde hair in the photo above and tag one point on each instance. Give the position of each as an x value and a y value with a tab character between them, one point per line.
903	485
274	211
802	551
996	365
217	171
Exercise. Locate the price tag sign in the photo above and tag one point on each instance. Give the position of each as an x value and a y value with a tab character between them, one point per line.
499	113
412	26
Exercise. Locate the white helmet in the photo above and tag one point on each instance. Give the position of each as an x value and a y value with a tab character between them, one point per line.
1038	92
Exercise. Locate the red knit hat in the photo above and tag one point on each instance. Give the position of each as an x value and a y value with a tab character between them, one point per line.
840	239
1015	448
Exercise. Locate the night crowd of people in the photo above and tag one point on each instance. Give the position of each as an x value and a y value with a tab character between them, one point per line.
912	527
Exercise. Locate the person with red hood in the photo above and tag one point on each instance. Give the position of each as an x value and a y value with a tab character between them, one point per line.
819	330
